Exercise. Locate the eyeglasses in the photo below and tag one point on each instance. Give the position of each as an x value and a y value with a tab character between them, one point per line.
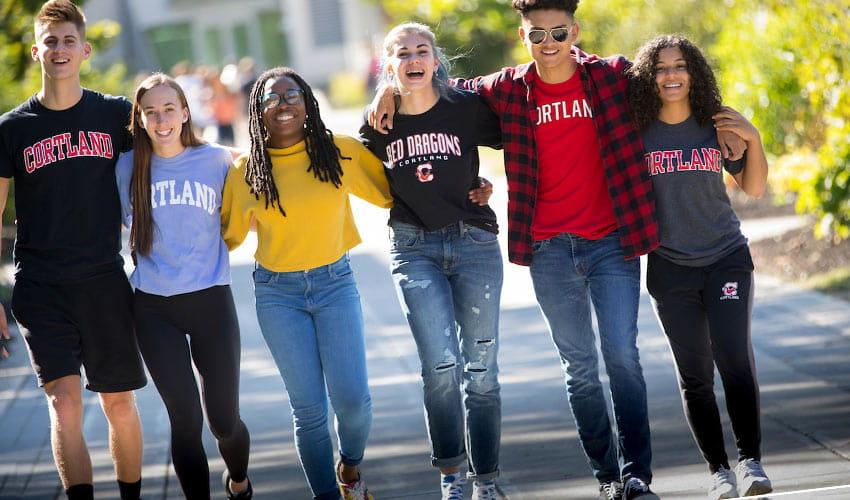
558	34
272	100
671	70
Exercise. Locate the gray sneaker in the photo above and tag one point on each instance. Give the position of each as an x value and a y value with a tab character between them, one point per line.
451	486
611	491
635	487
752	480
722	485
487	490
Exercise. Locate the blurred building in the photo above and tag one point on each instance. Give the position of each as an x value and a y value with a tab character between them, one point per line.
317	38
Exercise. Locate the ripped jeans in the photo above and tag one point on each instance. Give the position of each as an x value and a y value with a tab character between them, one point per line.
449	283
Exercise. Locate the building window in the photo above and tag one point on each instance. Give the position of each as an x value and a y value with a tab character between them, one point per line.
240	41
212	40
171	44
275	48
326	19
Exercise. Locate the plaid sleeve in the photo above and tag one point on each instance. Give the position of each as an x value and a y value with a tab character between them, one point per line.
622	151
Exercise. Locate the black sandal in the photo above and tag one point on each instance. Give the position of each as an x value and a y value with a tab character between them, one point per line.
245	494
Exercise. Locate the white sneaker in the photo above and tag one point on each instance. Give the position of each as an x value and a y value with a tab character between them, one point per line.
451	486
752	480
722	485
486	490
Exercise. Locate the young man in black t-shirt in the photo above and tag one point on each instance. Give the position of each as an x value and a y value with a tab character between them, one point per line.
72	299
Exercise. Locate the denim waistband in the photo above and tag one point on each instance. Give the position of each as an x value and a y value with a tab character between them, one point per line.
458	228
326	269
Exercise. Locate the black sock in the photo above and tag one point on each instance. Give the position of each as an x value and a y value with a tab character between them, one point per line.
80	492
130	491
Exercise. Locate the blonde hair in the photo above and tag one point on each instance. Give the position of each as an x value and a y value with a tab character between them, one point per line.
441	76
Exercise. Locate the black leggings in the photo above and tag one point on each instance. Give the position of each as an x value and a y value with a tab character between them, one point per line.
208	318
705	313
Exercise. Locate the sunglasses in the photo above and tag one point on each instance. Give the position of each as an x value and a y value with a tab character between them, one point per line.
291	96
559	34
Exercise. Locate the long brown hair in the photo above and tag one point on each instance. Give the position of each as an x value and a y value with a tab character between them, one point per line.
141	233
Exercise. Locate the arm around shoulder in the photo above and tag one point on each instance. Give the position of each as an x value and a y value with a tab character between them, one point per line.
236	205
364	173
753	178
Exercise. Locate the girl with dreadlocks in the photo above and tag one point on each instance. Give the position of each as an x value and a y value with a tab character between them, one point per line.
701	276
170	188
295	185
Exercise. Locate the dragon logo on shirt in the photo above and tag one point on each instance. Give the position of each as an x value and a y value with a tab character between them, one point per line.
425	172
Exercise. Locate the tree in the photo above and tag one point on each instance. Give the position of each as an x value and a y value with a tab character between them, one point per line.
788	67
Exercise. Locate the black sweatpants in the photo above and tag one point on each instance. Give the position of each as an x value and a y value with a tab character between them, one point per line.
174	332
705	313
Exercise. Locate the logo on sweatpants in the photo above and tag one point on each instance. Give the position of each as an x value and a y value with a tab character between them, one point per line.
425	173
730	291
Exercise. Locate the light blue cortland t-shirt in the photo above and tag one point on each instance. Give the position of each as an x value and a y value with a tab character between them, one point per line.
188	253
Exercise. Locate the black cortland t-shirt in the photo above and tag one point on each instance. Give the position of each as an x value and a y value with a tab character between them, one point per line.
66	199
431	161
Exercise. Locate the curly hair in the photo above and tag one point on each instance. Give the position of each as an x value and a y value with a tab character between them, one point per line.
645	101
323	152
523	7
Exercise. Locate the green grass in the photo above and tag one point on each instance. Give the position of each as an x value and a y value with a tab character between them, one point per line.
834	282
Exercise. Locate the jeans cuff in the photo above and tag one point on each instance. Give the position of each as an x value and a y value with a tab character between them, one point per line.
448	462
349	461
486	476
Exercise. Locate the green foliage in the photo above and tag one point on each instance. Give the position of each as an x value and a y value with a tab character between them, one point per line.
789	70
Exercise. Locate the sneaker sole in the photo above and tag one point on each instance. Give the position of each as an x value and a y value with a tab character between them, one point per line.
758	489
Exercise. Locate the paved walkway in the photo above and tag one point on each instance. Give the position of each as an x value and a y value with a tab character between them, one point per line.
802	344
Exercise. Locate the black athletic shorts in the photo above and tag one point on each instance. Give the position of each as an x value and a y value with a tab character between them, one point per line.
88	323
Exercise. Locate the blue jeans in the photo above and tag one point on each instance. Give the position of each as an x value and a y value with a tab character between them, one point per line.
313	325
449	283
568	273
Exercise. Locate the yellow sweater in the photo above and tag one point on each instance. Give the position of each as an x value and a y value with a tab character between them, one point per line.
318	227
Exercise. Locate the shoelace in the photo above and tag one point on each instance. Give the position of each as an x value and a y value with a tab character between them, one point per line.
750	467
635	484
453	490
612	490
722	476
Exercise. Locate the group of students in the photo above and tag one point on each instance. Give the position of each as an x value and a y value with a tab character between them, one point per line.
606	160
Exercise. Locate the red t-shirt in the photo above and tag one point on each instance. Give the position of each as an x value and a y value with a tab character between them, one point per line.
572	194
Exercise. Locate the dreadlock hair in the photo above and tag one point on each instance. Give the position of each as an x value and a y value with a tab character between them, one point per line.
323	152
141	232
703	96
523	7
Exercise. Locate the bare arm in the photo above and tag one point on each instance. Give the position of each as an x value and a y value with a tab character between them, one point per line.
753	178
381	110
4	325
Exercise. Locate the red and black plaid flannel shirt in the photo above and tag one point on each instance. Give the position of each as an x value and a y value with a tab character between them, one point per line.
509	94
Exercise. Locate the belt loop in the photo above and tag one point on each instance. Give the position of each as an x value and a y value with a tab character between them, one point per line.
461	227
